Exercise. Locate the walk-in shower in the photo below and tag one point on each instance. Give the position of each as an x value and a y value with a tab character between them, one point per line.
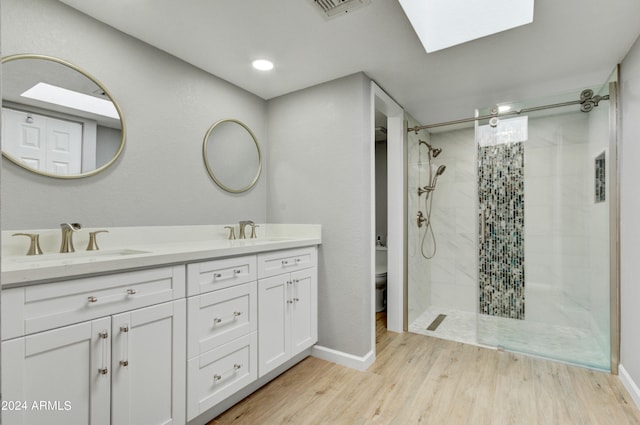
527	259
424	219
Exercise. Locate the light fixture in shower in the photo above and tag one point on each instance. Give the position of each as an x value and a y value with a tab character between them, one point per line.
444	23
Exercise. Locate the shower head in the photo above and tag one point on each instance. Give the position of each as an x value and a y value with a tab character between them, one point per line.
433	151
441	168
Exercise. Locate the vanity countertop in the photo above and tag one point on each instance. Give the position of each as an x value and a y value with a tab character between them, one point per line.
141	247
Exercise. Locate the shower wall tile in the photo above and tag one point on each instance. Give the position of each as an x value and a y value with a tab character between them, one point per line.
453	296
501	194
453	270
443	270
540	160
556	216
464	170
465	221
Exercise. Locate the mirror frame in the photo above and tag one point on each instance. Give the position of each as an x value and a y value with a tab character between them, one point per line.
15	57
210	171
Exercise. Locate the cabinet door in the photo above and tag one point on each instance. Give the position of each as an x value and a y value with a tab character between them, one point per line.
149	365
304	315
62	376
274	309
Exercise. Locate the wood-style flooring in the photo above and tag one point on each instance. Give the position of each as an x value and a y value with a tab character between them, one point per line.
423	380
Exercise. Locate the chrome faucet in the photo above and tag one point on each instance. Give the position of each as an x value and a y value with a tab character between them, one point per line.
67	236
243	225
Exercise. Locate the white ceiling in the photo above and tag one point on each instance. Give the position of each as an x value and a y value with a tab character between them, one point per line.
570	44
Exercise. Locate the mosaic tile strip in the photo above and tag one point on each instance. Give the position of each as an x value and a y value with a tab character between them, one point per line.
501	230
600	178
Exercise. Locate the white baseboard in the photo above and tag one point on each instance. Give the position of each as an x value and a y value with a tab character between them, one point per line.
629	384
344	359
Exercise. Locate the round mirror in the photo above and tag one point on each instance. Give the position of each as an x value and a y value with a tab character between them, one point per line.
232	155
58	120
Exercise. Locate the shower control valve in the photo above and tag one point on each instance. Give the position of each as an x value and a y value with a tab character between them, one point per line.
420	218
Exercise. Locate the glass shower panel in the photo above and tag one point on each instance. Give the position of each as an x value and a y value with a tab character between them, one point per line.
543	232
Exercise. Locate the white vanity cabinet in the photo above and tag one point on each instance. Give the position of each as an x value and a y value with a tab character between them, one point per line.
222	340
287	305
53	377
123	366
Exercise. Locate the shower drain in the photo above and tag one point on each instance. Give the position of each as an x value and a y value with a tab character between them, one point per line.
438	320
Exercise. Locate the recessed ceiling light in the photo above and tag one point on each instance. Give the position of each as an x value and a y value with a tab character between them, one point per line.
262	64
444	23
72	99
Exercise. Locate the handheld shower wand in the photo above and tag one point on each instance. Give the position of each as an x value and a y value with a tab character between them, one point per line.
432	185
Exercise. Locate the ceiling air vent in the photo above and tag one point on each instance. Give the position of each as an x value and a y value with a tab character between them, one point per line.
333	8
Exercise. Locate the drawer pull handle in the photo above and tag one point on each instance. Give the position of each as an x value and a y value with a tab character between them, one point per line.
219	320
296	299
103	371
218	377
289	282
285	262
289	301
92	299
297	260
236	272
131	292
124	363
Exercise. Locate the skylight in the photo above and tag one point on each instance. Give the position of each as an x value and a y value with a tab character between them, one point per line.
72	99
445	23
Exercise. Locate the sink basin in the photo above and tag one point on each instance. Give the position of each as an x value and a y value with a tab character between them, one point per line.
84	256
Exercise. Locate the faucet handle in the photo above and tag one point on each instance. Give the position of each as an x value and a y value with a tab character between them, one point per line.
253	230
34	246
93	243
232	232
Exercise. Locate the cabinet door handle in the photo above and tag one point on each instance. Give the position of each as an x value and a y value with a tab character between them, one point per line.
124	329
104	335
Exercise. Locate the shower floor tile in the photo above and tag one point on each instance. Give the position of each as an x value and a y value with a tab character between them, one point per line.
568	344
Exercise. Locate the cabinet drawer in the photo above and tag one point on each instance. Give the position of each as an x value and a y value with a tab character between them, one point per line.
278	262
51	305
218	317
219	373
219	274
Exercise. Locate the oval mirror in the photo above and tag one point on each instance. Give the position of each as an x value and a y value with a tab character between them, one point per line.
58	120
232	155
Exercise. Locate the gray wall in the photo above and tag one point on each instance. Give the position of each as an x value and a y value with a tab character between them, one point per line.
168	105
320	158
630	212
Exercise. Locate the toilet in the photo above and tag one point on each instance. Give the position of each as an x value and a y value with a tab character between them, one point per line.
381	278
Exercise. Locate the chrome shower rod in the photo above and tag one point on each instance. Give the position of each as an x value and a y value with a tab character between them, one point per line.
587	101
